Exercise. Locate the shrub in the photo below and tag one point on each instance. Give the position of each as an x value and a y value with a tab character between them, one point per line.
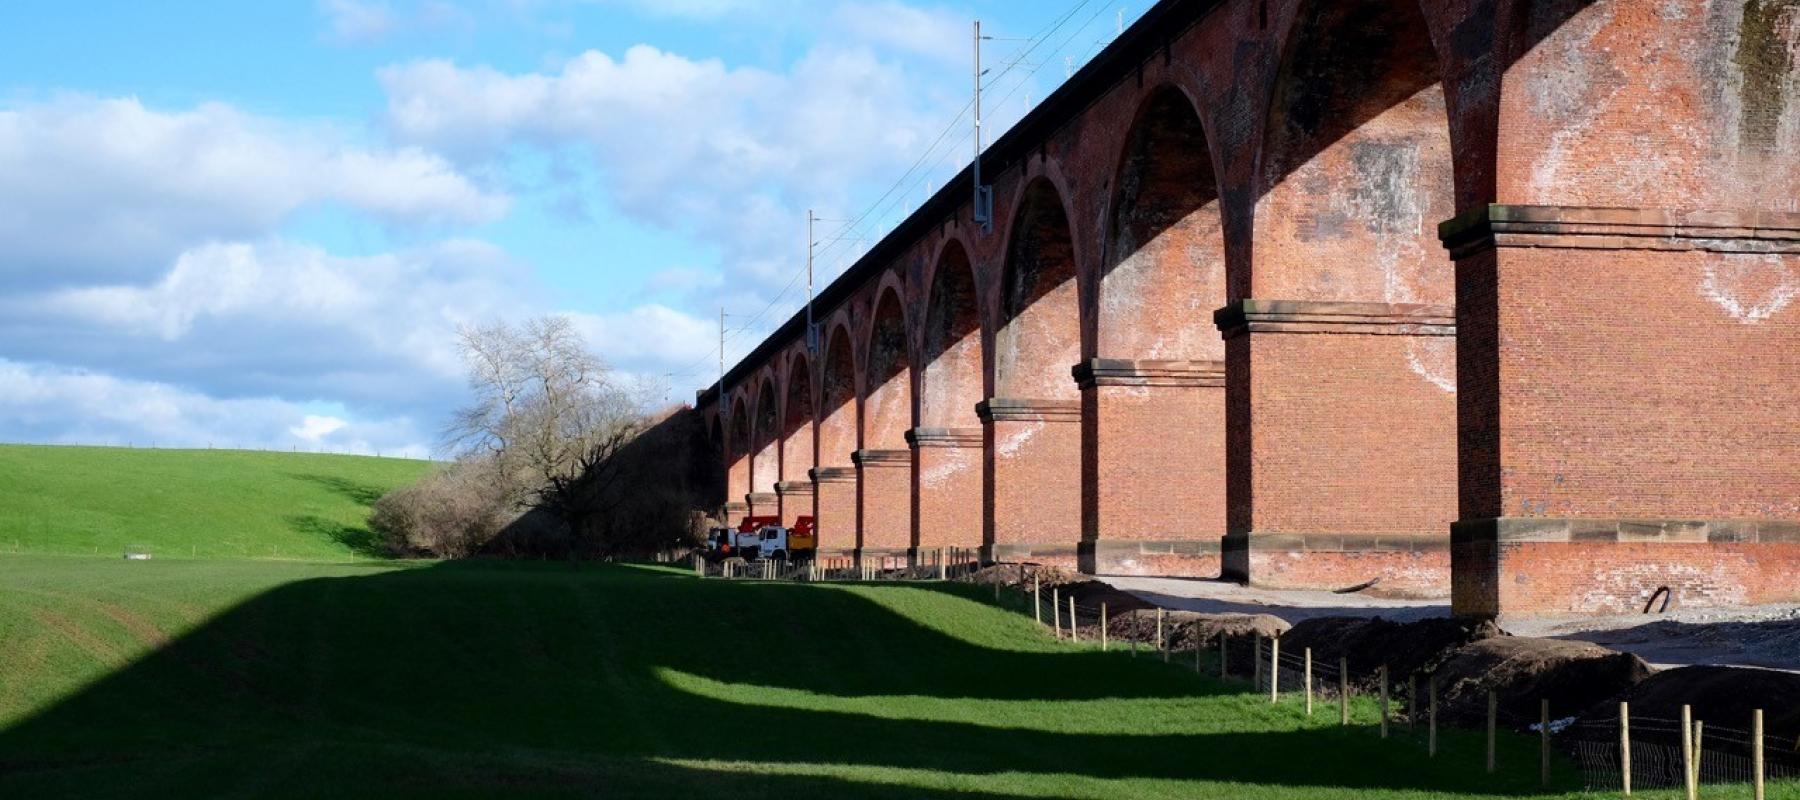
453	512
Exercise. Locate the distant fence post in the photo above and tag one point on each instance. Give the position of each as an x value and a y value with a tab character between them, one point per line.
1037	600
1056	609
1160	643
1343	691
1431	724
1699	754
1493	728
1073	635
1307	679
1256	664
942	565
1103	636
1384	701
1625	747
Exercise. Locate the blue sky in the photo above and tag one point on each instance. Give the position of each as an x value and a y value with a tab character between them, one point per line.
260	224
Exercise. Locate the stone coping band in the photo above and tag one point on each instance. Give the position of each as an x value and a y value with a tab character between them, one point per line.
1336	542
944	437
1127	372
1252	315
882	458
1626	531
832	474
794	487
760	497
1585	227
1210	546
1012	409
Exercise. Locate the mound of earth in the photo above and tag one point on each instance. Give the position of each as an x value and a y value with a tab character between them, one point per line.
1182	629
1524	671
1722	696
1370	642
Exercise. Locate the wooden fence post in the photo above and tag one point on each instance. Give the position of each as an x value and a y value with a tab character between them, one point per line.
1274	669
1384	700
1544	741
1256	665
1431	732
1756	754
1103	636
1625	747
1343	691
1160	643
1493	728
1699	754
1037	601
1308	681
1073	635
1687	750
1056	609
1412	702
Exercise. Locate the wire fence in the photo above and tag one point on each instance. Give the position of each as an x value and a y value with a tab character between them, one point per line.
1620	753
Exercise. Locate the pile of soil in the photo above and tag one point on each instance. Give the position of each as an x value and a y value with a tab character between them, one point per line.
1182	629
1523	672
1722	696
1411	648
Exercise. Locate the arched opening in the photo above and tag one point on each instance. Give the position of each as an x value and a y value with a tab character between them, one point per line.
1153	422
1164	272
1040	338
951	383
765	468
838	426
737	456
1356	165
947	453
797	423
888	410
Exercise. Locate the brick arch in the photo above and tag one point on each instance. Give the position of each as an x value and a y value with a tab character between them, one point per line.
1355	165
950	354
887	408
797	418
839	412
1039	337
1162	271
737	448
765	463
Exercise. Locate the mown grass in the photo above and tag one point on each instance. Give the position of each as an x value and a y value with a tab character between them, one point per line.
201	678
192	503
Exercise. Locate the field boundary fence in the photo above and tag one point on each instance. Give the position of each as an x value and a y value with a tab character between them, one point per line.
1619	754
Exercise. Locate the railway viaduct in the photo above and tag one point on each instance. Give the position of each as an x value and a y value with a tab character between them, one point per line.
1486	298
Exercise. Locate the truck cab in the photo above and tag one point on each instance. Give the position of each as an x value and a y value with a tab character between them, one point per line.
781	543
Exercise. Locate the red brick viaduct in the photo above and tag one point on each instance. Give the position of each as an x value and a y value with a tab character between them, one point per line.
1486	298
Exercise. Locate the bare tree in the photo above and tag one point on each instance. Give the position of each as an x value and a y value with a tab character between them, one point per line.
548	412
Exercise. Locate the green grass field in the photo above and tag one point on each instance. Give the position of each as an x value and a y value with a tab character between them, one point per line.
188	503
199	678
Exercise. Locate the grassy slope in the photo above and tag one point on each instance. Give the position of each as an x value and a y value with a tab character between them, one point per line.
182	503
185	678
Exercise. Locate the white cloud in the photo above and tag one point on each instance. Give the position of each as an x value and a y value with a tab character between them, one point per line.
315	427
649	339
357	20
937	33
62	405
102	188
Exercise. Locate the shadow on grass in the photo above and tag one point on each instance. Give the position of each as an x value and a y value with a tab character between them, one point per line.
357	538
362	494
548	680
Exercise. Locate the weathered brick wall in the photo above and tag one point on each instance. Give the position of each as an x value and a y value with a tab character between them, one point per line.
1035	491
835	507
885	491
947	486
